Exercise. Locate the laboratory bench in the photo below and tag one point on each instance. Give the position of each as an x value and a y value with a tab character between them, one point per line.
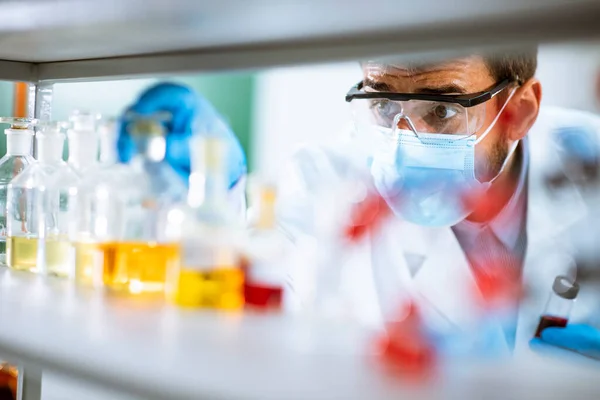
141	347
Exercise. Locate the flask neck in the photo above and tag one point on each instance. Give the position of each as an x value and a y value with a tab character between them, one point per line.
83	149
19	142
50	148
108	148
208	181
266	212
151	148
207	189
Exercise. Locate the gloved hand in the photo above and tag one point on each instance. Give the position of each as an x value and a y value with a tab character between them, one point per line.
190	114
580	338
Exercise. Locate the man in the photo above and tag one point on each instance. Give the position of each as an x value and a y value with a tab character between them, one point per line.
455	150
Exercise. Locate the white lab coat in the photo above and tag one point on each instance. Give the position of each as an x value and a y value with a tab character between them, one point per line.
428	264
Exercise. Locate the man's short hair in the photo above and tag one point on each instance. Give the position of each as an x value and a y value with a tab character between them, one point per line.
513	64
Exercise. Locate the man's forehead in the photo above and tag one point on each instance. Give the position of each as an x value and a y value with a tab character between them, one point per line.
468	70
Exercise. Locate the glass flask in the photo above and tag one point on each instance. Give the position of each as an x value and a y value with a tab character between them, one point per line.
83	141
60	209
209	274
18	156
103	175
26	204
265	272
128	234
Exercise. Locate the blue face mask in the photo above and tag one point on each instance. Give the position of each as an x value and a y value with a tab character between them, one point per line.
425	178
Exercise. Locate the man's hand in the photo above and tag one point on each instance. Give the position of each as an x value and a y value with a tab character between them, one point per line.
191	114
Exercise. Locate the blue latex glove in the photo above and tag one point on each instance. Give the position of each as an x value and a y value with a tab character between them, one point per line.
190	114
580	338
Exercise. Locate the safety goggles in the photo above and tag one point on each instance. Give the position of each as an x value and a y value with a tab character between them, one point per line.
462	114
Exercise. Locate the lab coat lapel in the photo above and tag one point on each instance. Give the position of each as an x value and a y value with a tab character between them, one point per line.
431	268
445	281
443	287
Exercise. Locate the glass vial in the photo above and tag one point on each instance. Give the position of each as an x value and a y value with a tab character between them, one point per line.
209	275
556	314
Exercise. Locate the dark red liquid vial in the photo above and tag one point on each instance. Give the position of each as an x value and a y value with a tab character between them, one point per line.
262	297
548	321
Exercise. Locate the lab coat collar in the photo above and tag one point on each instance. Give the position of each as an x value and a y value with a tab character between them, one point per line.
503	224
508	224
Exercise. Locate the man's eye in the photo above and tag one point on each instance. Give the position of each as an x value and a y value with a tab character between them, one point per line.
443	111
385	108
381	106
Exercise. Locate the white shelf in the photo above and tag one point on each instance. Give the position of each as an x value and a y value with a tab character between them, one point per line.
86	39
154	351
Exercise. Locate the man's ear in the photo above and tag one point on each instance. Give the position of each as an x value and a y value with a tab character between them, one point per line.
523	108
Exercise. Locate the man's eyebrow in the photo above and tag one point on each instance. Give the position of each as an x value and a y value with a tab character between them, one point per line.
444	89
378	86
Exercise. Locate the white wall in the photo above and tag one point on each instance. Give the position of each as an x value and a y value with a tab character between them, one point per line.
568	73
299	105
107	98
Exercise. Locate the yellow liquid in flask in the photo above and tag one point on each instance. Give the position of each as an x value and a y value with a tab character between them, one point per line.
21	253
220	288
137	267
87	269
58	256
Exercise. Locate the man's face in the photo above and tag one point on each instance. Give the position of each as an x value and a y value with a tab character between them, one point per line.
460	76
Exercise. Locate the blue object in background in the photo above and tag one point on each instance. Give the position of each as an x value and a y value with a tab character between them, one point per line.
580	142
191	114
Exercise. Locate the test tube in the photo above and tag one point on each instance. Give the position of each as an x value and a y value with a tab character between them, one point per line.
563	295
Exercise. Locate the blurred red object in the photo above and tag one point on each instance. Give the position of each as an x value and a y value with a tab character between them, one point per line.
499	283
366	216
262	297
485	204
405	349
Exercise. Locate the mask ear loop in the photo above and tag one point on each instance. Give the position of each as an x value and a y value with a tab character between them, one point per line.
400	116
512	148
489	128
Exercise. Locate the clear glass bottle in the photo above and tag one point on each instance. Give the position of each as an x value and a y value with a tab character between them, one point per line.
83	141
559	305
128	231
60	205
103	175
210	273
19	138
265	272
26	204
